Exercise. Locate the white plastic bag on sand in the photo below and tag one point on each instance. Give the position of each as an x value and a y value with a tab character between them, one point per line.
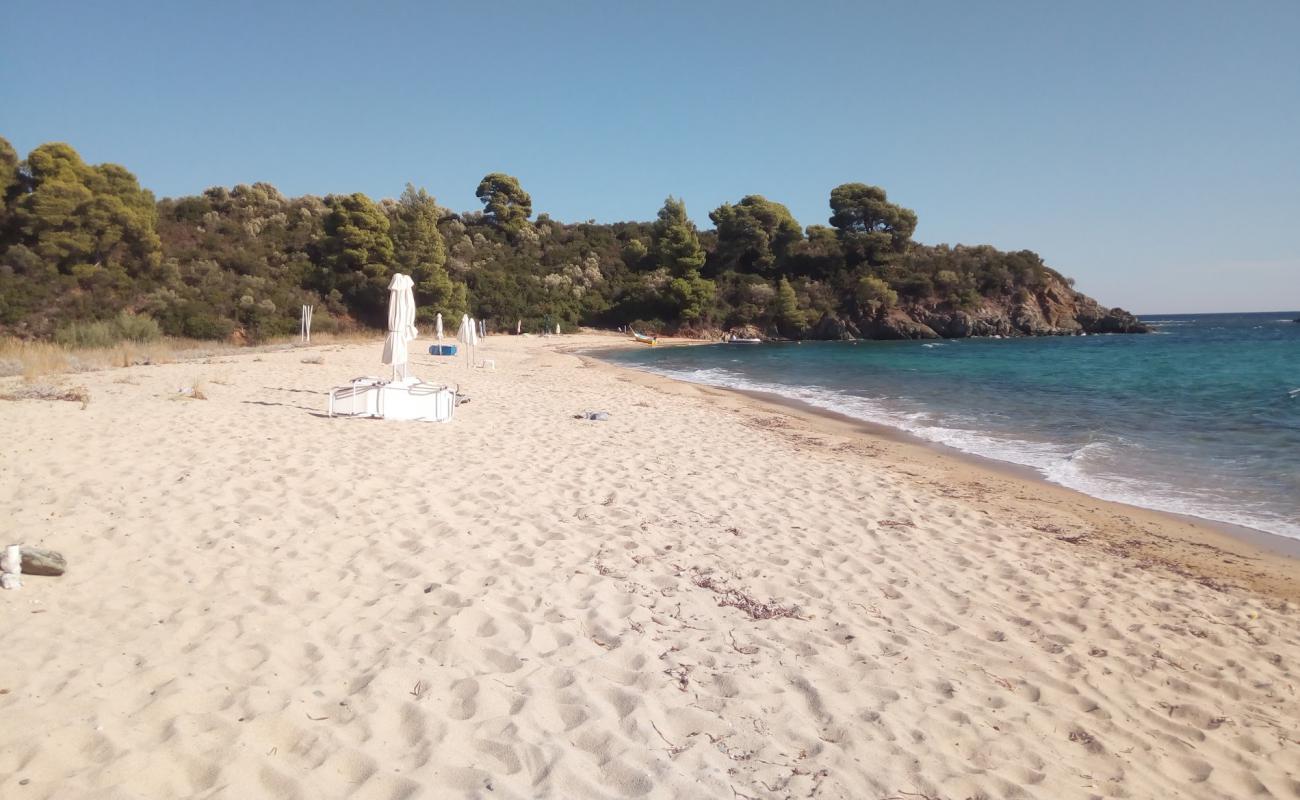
11	567
12	560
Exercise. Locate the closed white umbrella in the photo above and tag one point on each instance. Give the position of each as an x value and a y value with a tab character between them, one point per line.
401	323
468	336
438	324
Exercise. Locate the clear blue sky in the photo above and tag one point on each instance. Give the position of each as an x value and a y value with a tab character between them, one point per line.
1150	149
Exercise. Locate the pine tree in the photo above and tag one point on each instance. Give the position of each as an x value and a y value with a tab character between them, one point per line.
677	245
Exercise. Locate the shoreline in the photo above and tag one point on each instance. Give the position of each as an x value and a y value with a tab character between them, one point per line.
1205	550
1272	542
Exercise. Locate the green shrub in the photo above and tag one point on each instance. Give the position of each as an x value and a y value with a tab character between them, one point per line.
207	326
323	322
137	327
650	327
106	333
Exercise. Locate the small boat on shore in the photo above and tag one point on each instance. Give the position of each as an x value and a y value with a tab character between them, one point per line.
744	340
641	338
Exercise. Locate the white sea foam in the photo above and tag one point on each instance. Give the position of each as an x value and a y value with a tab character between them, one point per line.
1084	468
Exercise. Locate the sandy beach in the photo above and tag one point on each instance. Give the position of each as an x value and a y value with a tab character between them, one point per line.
705	596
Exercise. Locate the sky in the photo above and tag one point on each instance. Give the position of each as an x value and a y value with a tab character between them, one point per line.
1151	149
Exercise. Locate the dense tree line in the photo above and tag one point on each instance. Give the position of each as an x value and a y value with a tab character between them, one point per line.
83	242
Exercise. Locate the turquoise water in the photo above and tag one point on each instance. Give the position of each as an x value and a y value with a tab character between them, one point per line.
1201	418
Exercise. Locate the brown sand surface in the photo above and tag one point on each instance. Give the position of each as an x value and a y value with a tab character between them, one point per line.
707	595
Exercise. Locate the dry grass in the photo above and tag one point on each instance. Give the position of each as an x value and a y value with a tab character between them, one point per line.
35	359
31	359
45	391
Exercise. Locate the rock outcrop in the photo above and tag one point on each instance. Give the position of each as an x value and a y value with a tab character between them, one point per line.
831	327
1053	310
745	332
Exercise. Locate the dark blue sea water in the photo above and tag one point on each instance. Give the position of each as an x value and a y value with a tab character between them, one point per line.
1201	418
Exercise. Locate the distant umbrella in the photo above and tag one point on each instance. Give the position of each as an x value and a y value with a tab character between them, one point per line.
468	336
438	325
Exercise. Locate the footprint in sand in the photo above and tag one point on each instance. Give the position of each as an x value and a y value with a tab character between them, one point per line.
463	704
412	723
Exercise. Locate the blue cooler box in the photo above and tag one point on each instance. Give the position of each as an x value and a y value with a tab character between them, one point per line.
442	350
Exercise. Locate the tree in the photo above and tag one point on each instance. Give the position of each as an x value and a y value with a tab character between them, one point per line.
634	252
677	244
504	201
875	295
91	222
947	281
789	318
679	254
693	295
754	234
871	227
357	253
9	184
419	250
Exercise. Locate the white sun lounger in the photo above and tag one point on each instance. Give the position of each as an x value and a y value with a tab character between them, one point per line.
407	399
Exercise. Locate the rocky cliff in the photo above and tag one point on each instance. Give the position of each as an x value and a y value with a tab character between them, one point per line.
1054	309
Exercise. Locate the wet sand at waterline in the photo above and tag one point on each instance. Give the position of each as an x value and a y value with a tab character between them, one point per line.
704	596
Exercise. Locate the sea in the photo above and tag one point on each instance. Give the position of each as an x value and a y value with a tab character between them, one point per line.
1200	418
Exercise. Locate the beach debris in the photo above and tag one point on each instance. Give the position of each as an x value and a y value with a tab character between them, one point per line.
674	749
19	559
739	599
317	359
11	568
746	650
71	394
40	561
1080	736
681	675
595	416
